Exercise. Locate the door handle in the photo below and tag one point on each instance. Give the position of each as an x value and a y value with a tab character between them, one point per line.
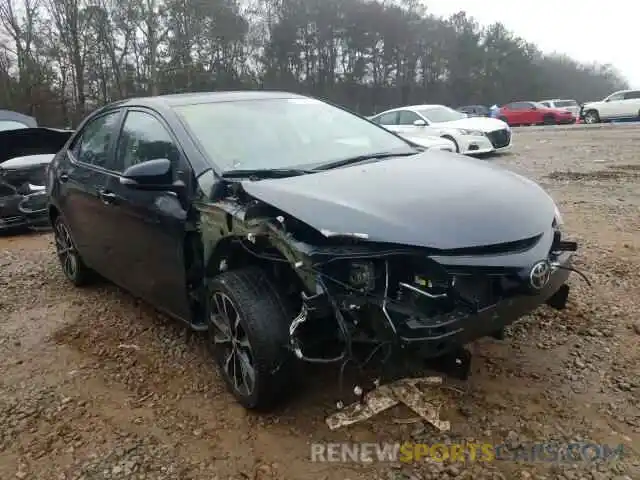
63	177
107	197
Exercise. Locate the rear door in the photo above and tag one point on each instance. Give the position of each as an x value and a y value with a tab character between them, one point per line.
513	112
529	113
149	227
632	104
82	177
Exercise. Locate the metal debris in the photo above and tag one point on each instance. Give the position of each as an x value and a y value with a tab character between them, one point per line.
386	396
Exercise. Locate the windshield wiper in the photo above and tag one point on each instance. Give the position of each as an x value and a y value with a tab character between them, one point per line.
361	158
260	173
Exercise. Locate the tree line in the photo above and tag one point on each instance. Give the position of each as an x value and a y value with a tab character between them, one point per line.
60	59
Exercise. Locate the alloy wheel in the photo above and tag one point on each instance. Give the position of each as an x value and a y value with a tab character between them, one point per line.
66	251
231	344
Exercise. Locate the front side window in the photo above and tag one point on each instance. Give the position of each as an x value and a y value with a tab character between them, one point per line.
283	133
143	138
93	145
632	95
614	97
407	117
441	114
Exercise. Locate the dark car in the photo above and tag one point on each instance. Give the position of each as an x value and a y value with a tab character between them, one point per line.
475	110
288	228
25	152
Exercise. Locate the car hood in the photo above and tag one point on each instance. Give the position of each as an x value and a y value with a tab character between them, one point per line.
27	161
434	199
484	124
31	141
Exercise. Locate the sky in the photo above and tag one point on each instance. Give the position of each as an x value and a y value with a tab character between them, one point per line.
587	30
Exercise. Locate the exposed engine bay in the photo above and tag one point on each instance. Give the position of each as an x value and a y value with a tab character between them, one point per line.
26	154
352	292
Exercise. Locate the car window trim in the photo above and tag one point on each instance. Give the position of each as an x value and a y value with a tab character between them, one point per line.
184	163
110	148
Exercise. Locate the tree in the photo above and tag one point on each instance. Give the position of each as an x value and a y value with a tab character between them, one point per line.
59	59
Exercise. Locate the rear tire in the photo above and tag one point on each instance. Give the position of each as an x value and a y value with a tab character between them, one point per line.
248	337
592	116
548	120
71	262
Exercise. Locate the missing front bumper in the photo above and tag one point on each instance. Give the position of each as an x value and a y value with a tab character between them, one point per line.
438	335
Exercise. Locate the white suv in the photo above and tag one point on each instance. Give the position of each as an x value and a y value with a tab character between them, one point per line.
621	105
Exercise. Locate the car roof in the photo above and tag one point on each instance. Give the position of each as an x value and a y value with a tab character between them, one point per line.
412	108
178	99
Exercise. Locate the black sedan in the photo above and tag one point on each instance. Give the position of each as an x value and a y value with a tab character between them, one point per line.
288	228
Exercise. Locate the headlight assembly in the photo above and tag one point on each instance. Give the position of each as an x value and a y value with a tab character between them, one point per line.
362	275
473	133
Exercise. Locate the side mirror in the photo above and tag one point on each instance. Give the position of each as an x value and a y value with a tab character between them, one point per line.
420	123
152	175
534	108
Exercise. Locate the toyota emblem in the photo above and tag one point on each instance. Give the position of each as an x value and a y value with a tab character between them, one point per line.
539	275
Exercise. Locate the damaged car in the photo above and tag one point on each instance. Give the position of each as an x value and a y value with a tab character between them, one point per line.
287	229
25	153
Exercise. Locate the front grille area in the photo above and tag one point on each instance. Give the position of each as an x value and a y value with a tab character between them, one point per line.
499	138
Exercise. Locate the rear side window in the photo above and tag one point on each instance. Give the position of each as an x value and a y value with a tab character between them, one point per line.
387	119
547	104
92	147
143	138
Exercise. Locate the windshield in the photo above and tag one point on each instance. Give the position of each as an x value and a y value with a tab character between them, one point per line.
566	103
11	125
441	114
284	133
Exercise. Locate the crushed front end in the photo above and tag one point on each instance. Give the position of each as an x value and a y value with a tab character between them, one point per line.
23	198
432	303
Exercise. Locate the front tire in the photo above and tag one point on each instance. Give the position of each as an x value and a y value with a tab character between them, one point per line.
248	336
448	137
591	117
549	120
71	262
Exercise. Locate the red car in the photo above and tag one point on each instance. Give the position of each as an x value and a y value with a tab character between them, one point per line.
533	113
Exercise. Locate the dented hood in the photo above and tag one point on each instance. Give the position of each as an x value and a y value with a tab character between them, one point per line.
434	199
31	141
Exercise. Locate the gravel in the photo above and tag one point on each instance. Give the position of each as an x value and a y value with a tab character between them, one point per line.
97	385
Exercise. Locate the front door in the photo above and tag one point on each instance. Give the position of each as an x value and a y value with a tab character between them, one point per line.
149	226
82	176
612	107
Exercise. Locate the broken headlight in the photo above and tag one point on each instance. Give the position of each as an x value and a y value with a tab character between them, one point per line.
362	275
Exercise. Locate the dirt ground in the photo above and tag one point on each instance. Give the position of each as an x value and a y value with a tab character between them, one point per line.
96	385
